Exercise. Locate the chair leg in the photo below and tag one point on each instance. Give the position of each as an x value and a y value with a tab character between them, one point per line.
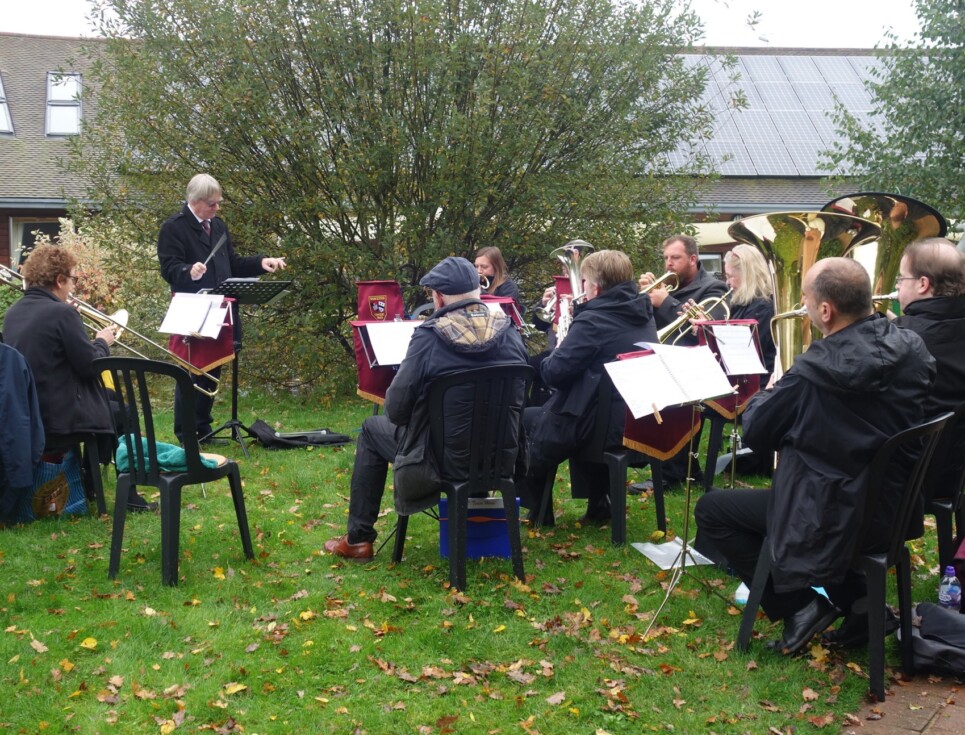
943	529
656	475
616	464
170	533
238	498
401	526
458	517
92	458
714	442
876	575
903	572
511	510
120	515
761	573
546	500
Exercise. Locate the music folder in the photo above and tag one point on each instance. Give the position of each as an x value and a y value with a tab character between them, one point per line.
386	343
670	376
737	348
195	315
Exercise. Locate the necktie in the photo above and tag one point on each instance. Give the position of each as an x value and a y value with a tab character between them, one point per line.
206	226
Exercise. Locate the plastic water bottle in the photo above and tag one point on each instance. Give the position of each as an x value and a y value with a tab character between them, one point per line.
950	590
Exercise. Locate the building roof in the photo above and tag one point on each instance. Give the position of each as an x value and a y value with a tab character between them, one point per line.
32	178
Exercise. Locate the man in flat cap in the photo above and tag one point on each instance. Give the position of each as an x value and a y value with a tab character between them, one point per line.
462	333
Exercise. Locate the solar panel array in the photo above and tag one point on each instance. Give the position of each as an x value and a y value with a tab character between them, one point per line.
786	122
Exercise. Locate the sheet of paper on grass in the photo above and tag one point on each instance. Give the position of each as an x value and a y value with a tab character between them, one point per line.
670	377
667	554
196	314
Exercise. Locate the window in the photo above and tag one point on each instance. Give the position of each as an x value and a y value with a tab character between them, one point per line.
6	124
63	103
22	237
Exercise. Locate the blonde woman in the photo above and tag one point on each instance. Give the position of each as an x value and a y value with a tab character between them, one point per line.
745	271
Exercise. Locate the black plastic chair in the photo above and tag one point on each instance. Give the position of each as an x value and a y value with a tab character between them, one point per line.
921	439
616	460
948	465
497	397
131	376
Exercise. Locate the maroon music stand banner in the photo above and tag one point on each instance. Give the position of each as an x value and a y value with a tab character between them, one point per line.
563	288
660	439
374	380
508	305
730	407
379	301
205	354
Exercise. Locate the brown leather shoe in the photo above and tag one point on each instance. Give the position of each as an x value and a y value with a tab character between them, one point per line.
340	546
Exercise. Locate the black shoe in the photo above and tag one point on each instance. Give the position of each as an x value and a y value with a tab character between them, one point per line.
803	625
597	512
137	504
213	441
640	488
853	631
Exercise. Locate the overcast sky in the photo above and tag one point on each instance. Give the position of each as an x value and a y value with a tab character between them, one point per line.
811	23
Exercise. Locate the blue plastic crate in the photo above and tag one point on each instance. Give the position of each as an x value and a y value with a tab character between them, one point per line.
486	530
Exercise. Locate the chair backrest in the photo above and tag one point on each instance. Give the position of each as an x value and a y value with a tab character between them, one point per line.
904	459
133	395
474	421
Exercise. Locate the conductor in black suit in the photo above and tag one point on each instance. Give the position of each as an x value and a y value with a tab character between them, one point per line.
184	244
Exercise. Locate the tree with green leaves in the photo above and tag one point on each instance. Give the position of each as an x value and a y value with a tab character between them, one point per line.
913	142
370	138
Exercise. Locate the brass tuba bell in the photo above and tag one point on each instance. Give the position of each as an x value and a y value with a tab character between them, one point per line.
791	243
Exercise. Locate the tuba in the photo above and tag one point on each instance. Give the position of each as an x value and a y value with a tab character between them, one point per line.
791	243
902	221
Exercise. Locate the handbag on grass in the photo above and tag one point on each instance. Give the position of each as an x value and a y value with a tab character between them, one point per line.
58	489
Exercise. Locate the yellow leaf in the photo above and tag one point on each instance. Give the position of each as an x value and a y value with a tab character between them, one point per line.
499	629
308	615
219	573
67	666
234	688
89	643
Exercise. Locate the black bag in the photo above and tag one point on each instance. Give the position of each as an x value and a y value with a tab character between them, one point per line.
271	439
939	640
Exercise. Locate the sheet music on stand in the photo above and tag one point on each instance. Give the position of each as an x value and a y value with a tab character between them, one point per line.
669	377
738	350
385	343
195	315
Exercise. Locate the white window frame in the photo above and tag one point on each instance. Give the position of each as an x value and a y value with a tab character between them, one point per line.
6	121
58	103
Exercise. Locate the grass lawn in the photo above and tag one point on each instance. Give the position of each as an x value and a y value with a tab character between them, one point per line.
300	642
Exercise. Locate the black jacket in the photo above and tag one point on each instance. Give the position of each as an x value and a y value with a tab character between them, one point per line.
940	322
762	310
828	415
21	430
460	336
182	243
52	338
601	329
703	286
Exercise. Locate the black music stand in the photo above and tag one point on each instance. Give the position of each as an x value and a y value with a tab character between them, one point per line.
244	291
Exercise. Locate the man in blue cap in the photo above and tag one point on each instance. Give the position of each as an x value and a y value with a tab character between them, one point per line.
462	333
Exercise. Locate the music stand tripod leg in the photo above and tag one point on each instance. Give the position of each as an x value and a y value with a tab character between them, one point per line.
234	426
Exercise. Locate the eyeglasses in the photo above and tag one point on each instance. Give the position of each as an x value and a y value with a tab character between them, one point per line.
73	279
899	279
212	203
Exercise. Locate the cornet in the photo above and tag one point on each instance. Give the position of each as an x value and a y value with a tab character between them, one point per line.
674	283
701	311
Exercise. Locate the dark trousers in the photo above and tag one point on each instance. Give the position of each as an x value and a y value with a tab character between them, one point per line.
202	405
589	479
375	449
735	523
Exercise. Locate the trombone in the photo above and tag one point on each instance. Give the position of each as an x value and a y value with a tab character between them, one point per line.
701	311
96	320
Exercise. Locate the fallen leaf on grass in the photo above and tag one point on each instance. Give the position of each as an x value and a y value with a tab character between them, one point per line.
557	698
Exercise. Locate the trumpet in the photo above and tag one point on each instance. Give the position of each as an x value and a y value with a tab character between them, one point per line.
674	282
701	310
95	320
